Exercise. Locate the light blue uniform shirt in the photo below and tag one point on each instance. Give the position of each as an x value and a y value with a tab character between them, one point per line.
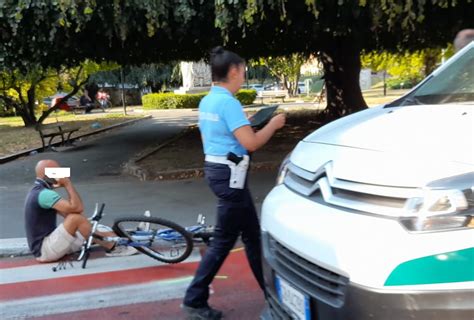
220	114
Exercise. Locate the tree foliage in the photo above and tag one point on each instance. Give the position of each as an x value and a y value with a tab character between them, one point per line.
66	32
406	65
156	76
258	72
22	89
139	31
286	68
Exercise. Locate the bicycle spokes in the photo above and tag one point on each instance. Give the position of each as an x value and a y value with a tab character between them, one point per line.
161	239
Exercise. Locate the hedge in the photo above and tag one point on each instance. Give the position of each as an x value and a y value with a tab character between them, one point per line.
400	83
188	101
246	96
171	100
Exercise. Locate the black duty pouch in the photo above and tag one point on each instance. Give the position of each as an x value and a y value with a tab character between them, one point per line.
234	158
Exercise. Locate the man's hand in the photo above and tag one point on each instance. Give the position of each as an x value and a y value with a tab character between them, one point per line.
73	204
62	182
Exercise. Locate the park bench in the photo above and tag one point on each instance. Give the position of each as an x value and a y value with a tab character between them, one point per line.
82	109
55	130
280	94
78	109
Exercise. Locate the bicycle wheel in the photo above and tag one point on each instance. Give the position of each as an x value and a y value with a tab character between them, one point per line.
158	238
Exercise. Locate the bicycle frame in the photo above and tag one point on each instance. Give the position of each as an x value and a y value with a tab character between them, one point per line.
144	238
96	217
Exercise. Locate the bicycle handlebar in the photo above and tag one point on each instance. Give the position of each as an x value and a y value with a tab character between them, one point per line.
97	216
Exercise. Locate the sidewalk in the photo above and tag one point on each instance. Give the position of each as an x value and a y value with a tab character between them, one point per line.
76	137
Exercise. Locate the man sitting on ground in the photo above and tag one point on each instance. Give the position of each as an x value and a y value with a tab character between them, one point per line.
47	241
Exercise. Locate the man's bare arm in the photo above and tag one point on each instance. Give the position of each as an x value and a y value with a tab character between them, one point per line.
73	204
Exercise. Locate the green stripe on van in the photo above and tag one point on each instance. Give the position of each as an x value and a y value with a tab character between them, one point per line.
455	266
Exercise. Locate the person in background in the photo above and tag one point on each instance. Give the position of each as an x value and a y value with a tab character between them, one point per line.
86	102
463	38
102	98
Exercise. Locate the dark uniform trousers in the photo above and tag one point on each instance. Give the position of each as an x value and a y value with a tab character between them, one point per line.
236	215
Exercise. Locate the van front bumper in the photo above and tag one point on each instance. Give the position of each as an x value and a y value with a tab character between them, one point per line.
359	302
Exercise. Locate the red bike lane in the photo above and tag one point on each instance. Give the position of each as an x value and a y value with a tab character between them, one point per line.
235	291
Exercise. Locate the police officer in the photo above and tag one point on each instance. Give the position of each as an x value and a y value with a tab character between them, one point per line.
227	139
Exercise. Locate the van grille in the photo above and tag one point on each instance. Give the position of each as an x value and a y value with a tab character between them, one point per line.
277	312
317	281
370	198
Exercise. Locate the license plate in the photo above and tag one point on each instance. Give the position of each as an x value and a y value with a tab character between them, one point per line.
295	301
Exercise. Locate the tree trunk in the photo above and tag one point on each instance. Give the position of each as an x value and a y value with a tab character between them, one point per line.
31	95
123	92
28	119
283	83
75	89
295	88
341	62
26	108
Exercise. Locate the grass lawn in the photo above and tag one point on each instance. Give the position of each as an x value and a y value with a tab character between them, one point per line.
15	137
375	97
372	97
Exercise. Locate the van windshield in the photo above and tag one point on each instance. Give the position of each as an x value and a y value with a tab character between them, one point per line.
455	84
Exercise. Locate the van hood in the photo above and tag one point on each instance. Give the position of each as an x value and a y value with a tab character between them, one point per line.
404	146
429	131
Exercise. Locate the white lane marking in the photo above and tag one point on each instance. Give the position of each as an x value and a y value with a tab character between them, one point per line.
94	265
94	299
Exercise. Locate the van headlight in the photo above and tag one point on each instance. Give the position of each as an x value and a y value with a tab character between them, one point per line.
283	171
445	204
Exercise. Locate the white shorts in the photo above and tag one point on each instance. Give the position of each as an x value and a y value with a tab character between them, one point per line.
59	243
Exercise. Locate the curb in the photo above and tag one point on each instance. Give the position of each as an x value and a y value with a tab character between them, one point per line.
14	247
134	169
28	151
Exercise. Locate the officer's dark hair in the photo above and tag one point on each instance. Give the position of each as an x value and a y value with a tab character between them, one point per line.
221	61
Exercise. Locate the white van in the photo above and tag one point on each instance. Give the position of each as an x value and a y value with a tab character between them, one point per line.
372	214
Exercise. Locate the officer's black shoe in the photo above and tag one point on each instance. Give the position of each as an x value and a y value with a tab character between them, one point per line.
202	313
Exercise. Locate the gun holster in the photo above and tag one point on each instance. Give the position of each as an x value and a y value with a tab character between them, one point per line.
238	170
